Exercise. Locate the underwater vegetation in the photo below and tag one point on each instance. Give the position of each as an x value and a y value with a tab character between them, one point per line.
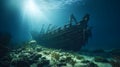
34	55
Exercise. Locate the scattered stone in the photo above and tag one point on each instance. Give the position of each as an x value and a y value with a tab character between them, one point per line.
38	49
55	55
62	60
32	42
43	58
37	56
68	59
72	62
26	55
46	52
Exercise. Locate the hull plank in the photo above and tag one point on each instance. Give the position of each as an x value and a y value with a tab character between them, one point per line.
70	37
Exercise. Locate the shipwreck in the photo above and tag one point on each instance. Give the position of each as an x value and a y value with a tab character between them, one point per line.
69	37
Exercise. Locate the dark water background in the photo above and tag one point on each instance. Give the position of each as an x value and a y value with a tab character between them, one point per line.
104	18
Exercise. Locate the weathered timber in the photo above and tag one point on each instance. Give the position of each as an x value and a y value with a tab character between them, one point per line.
69	37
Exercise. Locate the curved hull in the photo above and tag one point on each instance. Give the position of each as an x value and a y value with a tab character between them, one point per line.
70	37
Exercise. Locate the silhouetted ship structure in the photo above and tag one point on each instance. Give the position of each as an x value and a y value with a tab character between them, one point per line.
70	37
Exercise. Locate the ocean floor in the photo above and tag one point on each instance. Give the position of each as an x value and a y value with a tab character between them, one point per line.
38	56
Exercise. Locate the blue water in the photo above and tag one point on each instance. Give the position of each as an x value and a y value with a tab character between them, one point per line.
104	18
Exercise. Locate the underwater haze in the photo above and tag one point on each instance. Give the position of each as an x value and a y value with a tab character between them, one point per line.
21	17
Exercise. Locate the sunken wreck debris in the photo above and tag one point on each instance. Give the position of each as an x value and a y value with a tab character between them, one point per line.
70	37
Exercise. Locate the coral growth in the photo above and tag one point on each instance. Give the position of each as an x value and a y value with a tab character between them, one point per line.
37	56
55	55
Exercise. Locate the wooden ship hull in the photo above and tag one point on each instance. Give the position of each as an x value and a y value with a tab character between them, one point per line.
70	37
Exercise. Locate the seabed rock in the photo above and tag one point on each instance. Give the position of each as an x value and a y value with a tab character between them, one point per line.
37	56
46	57
55	55
38	49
